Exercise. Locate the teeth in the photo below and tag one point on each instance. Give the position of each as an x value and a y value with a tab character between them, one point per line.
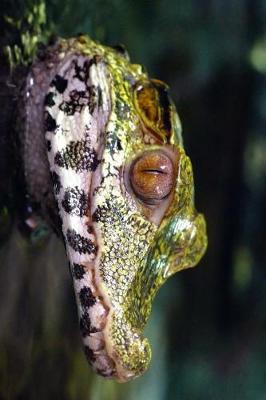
104	364
125	376
95	343
97	335
90	265
98	316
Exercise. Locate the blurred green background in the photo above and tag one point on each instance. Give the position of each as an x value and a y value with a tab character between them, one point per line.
208	324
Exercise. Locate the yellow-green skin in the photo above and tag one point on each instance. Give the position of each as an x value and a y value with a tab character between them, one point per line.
135	254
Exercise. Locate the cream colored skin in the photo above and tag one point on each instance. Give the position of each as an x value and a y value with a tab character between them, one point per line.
121	249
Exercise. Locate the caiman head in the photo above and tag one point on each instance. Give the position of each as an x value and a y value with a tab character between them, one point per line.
124	190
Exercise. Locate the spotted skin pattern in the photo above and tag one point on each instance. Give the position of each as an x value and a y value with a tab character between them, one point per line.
119	253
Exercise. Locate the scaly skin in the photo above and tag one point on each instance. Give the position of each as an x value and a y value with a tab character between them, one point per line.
121	247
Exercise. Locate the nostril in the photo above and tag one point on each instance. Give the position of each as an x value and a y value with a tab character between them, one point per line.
138	359
129	349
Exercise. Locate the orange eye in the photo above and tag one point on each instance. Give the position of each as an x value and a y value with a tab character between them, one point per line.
152	177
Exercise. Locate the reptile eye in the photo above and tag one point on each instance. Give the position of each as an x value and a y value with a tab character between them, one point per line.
152	177
155	108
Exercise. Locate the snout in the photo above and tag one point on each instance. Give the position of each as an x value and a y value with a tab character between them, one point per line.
128	348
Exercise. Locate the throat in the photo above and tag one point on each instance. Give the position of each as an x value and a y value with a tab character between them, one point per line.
76	113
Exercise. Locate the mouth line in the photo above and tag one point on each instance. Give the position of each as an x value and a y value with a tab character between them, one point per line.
78	118
79	112
77	145
93	320
92	301
94	311
98	345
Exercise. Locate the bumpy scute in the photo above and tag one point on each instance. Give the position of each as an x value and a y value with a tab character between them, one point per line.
121	250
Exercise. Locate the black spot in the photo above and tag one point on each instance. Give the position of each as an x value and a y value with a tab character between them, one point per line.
89	229
49	121
100	214
48	145
100	97
59	83
79	243
78	156
49	99
96	216
85	324
118	145
56	182
78	99
82	72
75	201
86	298
89	354
78	271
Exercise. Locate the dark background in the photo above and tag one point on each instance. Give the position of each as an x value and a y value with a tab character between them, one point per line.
208	324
